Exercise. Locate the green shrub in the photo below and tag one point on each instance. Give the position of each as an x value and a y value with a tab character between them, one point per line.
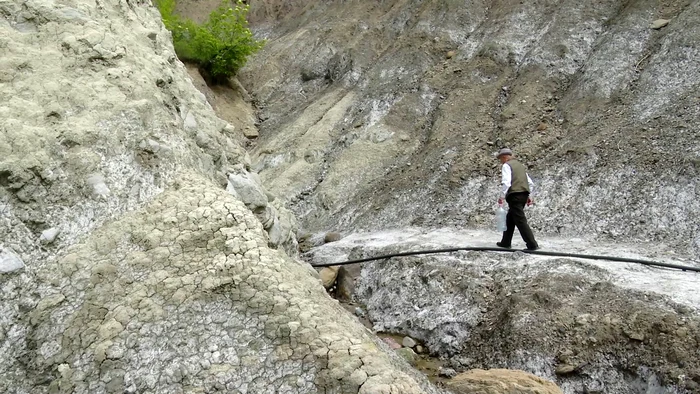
220	46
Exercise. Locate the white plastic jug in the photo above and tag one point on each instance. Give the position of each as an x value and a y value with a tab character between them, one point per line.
501	218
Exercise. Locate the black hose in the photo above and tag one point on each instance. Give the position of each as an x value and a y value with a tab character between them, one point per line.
536	252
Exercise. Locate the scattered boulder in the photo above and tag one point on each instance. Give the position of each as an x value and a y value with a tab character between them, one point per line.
565	369
245	187
251	133
450	54
332	237
500	381
99	187
49	235
9	261
460	363
408	342
659	23
328	276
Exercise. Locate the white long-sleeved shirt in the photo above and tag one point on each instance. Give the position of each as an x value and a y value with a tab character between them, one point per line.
507	177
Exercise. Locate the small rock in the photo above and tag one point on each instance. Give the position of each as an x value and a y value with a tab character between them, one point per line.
447	372
99	187
594	388
542	127
228	128
203	140
408	342
251	133
450	54
9	261
49	235
637	336
332	237
584	319
190	122
564	355
659	23
489	143
408	355
392	343
328	275
359	312
682	332
149	145
245	186
565	369
420	349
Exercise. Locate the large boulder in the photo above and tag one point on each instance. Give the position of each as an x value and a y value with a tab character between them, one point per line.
184	295
500	381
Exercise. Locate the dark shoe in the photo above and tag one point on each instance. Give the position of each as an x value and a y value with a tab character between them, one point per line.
502	245
536	247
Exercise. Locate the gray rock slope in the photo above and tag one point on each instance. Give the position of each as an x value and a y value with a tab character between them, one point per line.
137	252
185	296
590	326
97	116
386	114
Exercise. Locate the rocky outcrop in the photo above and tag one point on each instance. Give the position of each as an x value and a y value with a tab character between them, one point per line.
97	116
185	296
500	381
125	264
589	326
379	115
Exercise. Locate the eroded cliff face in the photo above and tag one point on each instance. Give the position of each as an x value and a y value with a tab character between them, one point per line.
386	114
98	115
137	252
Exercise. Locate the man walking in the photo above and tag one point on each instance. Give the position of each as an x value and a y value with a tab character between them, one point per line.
516	188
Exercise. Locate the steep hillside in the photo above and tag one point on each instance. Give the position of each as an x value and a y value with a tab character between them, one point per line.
138	254
387	114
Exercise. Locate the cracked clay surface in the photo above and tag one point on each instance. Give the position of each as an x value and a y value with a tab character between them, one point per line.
185	296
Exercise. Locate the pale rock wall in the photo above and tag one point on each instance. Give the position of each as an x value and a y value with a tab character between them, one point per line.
96	118
386	114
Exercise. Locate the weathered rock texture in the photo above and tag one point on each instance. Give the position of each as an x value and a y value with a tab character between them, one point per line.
379	114
185	296
538	318
125	265
497	381
581	324
97	115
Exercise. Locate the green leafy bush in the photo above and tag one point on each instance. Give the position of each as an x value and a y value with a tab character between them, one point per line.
220	46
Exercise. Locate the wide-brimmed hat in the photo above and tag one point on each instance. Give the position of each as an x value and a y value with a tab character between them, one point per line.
504	151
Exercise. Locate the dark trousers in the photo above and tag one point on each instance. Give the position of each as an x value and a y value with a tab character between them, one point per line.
516	218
